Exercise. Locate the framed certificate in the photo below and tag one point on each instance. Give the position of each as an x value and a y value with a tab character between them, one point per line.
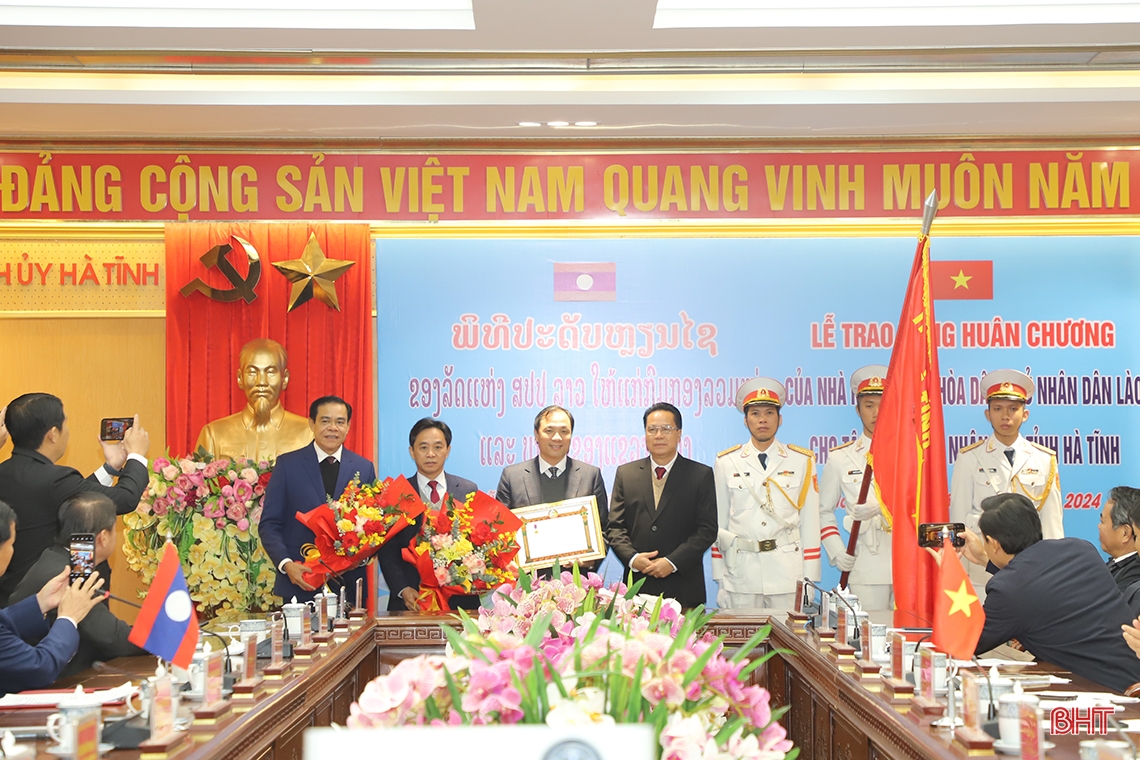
567	531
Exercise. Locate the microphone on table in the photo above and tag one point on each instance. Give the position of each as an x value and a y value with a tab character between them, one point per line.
824	607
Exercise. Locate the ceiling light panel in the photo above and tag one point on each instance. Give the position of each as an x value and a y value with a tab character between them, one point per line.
242	14
692	14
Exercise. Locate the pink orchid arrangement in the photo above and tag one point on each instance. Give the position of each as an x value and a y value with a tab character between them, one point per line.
210	508
570	651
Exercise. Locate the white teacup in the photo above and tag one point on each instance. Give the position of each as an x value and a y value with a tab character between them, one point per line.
879	642
72	710
293	615
253	625
1001	687
1009	718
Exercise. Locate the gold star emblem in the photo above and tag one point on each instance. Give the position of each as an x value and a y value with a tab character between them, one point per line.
962	599
313	275
961	280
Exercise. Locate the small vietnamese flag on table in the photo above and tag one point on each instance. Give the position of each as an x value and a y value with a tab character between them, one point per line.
166	626
958	615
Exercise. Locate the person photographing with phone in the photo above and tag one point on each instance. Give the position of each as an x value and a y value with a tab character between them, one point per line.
35	486
1055	596
86	520
26	666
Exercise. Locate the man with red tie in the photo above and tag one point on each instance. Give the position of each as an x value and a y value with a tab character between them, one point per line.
663	513
302	480
429	443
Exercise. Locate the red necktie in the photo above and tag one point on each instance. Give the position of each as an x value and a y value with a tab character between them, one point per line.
660	472
434	491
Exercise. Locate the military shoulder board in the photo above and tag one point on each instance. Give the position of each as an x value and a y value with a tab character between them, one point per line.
806	452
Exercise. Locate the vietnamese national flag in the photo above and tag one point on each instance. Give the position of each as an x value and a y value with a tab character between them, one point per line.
908	450
962	280
585	281
166	626
958	615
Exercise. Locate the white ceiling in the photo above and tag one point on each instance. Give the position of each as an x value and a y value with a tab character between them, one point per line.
541	60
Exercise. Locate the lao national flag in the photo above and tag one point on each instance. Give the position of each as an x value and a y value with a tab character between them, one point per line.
166	625
585	281
962	280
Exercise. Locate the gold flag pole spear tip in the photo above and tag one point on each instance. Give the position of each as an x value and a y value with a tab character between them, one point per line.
929	210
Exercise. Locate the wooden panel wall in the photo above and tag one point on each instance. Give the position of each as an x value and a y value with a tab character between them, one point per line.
105	367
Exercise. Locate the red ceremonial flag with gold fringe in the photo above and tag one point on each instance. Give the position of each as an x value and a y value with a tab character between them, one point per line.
958	615
330	351
908	451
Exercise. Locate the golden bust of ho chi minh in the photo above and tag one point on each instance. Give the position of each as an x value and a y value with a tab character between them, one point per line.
263	429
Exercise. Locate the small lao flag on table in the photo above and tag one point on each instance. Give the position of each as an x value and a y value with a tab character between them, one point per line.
585	281
166	626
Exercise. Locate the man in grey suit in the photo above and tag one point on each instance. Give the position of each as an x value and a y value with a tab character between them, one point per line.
102	636
552	475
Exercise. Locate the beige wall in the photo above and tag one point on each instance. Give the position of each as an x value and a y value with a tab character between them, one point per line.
105	367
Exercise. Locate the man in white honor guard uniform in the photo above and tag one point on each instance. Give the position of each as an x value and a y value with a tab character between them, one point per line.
870	568
1005	463
767	501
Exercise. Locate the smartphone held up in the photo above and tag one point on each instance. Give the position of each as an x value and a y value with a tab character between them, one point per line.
82	548
115	428
930	535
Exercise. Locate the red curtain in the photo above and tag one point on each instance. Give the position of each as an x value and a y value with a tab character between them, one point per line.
330	352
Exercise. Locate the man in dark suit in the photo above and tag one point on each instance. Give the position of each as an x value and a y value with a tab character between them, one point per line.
663	513
1055	597
102	636
553	475
35	486
22	665
302	480
429	443
1118	535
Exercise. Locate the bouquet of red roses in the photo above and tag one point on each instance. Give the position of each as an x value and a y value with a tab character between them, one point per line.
349	530
464	547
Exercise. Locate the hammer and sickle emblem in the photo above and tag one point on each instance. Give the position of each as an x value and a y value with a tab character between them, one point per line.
242	286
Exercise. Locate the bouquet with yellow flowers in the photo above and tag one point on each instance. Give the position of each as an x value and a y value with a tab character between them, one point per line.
210	509
349	530
464	547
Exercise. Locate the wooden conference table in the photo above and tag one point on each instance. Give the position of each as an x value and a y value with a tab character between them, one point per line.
833	715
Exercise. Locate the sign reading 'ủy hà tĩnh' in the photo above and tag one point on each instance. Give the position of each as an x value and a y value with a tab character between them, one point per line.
82	276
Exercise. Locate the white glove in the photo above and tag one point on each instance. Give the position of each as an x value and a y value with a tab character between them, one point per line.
863	511
835	548
722	598
845	562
